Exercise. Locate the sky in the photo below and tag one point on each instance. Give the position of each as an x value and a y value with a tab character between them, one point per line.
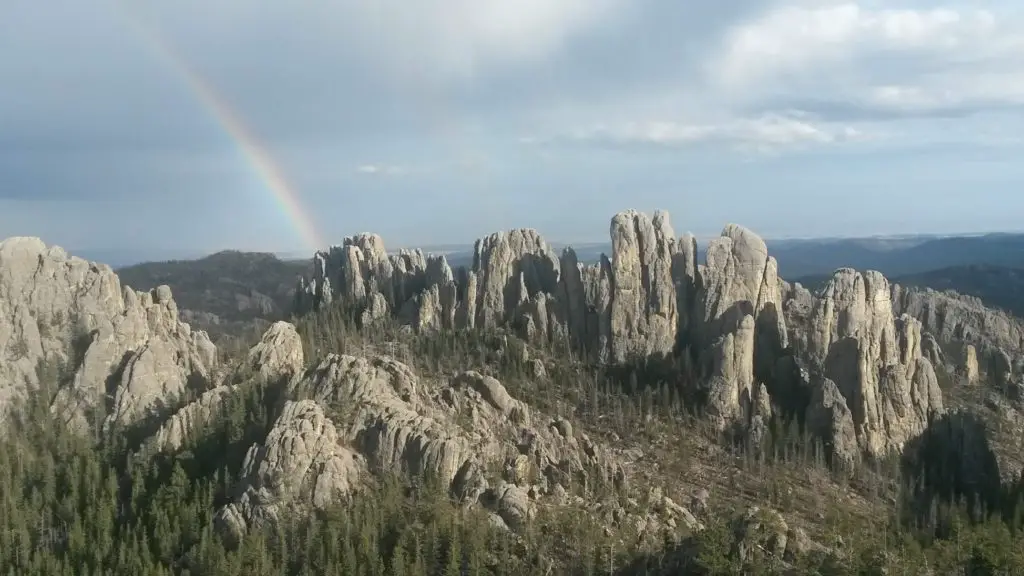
439	121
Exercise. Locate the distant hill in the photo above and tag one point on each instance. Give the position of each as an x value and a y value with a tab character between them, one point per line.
221	291
896	257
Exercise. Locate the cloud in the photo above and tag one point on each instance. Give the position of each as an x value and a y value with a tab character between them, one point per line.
878	62
381	170
770	132
490	105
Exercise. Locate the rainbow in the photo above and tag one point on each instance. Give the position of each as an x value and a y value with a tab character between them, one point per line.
255	154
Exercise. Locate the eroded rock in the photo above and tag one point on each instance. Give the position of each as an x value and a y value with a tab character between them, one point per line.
124	348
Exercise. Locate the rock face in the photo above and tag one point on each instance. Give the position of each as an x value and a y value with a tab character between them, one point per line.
278	354
301	461
128	354
829	417
970	367
644	303
649	298
277	358
874	359
515	281
351	415
931	350
953	317
739	320
759	343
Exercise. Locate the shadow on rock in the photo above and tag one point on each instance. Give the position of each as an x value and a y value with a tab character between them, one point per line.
950	464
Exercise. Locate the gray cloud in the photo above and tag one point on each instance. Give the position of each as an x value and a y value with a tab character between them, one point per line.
654	96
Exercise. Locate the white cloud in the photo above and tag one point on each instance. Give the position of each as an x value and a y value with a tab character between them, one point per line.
770	132
892	59
381	170
799	39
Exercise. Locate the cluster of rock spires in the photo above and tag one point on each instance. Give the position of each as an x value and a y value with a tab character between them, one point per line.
855	360
991	341
130	361
757	341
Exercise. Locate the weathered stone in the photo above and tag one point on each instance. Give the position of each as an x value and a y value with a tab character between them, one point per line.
874	359
56	308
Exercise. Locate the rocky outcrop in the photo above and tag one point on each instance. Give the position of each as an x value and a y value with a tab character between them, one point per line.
970	366
644	302
874	359
963	319
624	307
276	359
278	354
351	415
127	354
301	462
189	419
739	320
931	350
829	418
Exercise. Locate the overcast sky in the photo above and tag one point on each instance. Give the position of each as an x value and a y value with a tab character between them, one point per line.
437	121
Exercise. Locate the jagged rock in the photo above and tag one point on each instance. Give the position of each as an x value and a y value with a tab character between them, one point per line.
494	394
739	319
760	415
597	286
687	285
931	350
644	317
955	317
798	309
760	532
537	369
510	268
454	431
125	348
511	503
278	354
1000	368
874	360
829	417
189	418
301	462
970	367
357	270
376	309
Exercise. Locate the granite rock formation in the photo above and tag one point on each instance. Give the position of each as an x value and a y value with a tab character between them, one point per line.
649	298
350	416
126	354
957	318
874	359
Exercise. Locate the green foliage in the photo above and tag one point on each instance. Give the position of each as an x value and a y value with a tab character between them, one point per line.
71	506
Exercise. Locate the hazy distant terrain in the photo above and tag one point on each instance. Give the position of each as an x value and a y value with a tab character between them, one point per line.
221	291
896	257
